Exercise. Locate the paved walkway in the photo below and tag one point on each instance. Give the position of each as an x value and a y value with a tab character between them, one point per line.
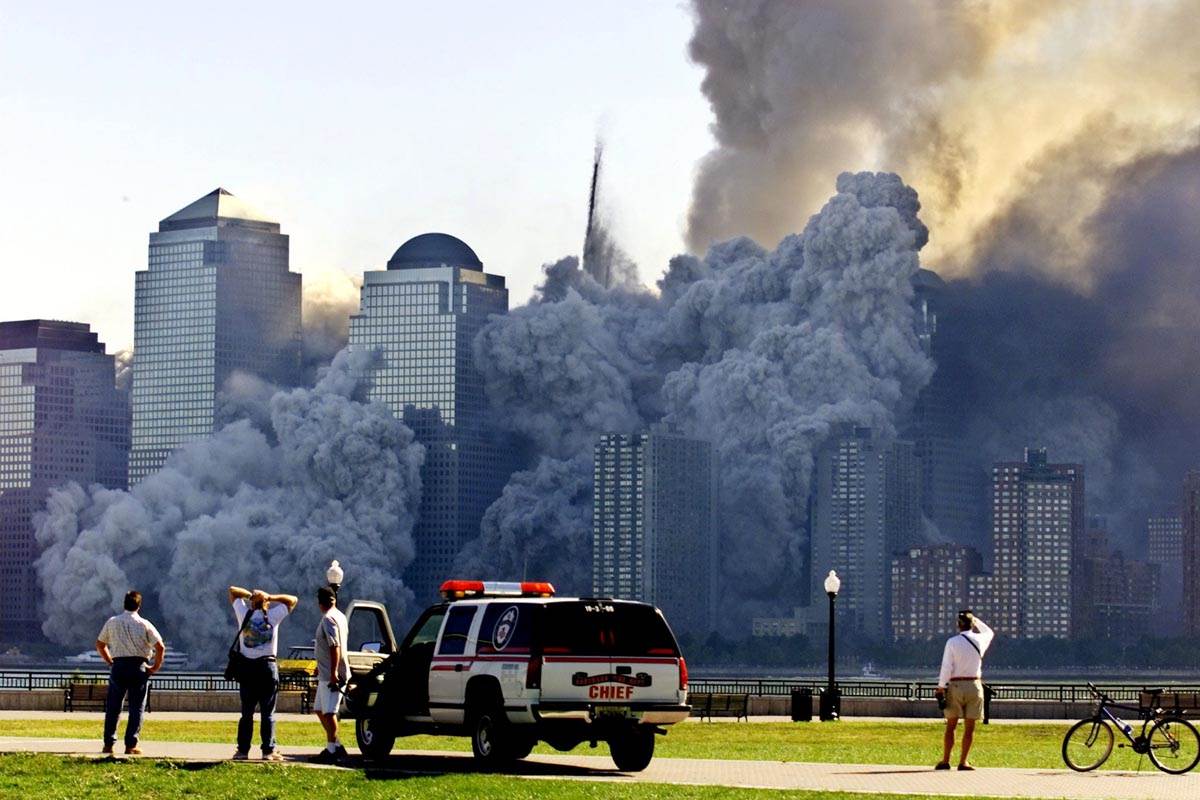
751	774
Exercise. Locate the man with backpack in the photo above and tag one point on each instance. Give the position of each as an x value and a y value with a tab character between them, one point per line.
960	684
259	615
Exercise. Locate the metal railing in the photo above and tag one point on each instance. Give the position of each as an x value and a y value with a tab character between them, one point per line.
913	690
166	681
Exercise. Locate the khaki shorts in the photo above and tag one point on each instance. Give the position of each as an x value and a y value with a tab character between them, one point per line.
964	700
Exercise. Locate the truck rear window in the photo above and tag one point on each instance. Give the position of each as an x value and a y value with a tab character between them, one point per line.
600	628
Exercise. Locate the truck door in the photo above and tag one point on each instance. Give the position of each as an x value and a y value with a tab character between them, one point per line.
452	664
370	638
416	655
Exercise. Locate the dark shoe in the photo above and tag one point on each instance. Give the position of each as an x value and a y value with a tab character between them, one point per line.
323	757
240	756
340	754
108	749
965	768
942	765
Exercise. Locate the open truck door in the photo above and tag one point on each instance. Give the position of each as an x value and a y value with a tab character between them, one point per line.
370	638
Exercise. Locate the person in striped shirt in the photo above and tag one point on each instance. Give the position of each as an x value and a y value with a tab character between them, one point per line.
127	643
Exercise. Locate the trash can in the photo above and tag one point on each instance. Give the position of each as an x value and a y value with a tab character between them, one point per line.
802	705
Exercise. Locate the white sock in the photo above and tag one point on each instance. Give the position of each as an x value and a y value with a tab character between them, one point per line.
331	747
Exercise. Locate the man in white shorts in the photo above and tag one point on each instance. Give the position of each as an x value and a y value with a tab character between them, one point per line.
333	670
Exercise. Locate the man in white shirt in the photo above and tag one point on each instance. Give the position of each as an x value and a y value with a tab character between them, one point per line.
960	684
127	643
258	616
333	670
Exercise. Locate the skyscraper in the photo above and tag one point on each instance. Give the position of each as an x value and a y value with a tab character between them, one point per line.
866	509
216	297
1118	596
654	534
61	419
1037	536
953	484
1191	553
421	316
929	588
1164	547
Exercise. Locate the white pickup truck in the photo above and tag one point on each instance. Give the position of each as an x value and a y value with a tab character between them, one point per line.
509	664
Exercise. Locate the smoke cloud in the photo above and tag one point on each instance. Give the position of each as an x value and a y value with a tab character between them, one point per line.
329	300
761	352
322	476
980	106
603	258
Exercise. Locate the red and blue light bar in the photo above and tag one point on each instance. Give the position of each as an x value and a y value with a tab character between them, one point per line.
459	590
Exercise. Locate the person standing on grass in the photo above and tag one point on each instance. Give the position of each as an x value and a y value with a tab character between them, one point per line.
333	670
960	684
127	643
259	615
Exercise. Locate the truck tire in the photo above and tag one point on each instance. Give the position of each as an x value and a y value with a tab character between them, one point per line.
375	738
632	750
492	740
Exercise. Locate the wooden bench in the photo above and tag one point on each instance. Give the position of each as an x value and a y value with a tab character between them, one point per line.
709	705
89	697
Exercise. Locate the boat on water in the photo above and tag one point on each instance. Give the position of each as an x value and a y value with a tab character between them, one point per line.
173	660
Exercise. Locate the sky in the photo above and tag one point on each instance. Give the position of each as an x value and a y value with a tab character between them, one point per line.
354	130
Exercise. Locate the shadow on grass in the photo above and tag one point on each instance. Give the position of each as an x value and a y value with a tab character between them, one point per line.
401	767
157	763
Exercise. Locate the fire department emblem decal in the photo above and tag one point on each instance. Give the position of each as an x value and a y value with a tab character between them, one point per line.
505	627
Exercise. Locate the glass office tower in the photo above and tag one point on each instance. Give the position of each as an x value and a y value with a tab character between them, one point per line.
61	419
421	315
217	297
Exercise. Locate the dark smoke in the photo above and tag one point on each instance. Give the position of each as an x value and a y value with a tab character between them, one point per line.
326	476
761	352
603	258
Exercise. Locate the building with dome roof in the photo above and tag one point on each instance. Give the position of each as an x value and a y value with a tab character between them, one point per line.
421	315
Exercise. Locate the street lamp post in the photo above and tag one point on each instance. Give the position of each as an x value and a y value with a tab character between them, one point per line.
831	704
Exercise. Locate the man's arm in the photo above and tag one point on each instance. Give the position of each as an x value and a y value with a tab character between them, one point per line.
947	668
238	593
335	666
160	650
984	633
289	600
102	649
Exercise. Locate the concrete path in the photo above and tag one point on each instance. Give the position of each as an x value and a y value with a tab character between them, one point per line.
751	774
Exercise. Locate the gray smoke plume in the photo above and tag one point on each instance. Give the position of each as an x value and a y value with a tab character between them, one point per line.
541	526
329	477
761	352
603	258
123	363
329	300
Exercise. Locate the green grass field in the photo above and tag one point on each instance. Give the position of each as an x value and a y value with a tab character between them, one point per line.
50	777
849	742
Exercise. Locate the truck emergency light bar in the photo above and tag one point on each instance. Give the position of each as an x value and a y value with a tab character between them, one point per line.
457	590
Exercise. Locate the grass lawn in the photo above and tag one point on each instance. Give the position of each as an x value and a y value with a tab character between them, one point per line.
849	742
58	777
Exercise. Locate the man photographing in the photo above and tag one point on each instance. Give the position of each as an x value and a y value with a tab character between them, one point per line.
960	684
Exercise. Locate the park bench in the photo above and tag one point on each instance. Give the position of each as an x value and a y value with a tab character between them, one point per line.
82	696
1170	701
710	704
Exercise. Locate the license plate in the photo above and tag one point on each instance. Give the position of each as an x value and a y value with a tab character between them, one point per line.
612	711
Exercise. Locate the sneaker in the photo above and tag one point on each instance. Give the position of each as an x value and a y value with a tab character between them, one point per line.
323	757
340	753
108	750
274	755
942	765
965	768
240	756
133	751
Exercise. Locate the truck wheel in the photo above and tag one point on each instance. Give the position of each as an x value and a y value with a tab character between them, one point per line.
522	745
491	736
632	750
375	738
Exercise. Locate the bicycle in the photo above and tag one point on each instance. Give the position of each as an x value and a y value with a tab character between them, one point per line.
1170	740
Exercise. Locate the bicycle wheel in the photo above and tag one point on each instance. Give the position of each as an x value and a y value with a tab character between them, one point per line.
1174	745
1087	745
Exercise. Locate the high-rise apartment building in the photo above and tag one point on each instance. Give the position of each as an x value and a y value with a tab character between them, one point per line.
1037	534
1191	553
1118	596
929	588
654	534
866	509
61	419
1164	547
217	297
421	316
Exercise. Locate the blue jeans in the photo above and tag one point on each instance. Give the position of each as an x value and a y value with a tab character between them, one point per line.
128	677
259	688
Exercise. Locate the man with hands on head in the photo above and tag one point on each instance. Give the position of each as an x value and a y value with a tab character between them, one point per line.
258	616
